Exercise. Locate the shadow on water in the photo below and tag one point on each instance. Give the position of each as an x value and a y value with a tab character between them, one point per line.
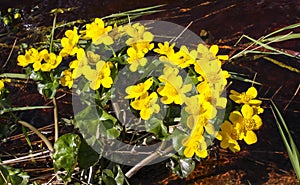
225	21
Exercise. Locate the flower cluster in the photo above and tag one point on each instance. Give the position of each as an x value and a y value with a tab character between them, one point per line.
88	53
243	123
40	60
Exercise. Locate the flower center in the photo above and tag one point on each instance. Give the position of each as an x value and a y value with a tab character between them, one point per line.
249	124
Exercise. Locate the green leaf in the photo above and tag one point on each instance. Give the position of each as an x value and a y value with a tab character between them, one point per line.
87	157
119	175
177	138
157	127
108	177
66	154
181	166
13	176
48	89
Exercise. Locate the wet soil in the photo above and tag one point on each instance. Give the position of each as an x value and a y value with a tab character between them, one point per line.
265	162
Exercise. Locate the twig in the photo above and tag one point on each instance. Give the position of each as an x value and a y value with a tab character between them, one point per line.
32	128
3	177
290	101
55	119
146	161
24	158
10	53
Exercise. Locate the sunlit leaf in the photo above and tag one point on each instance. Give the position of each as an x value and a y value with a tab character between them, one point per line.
66	154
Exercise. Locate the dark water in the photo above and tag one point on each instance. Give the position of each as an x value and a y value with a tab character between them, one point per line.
225	21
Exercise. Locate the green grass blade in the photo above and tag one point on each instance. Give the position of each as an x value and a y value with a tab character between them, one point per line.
293	26
24	108
14	75
290	145
281	38
257	42
236	77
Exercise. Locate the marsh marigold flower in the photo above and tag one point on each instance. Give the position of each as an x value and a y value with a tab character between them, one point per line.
229	136
146	104
31	56
165	49
69	42
51	61
138	90
98	32
135	59
99	76
247	97
248	122
173	89
138	33
195	144
66	79
80	65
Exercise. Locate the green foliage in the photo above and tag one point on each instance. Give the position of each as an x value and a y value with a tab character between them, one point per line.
113	177
287	140
87	157
157	127
12	176
181	166
66	154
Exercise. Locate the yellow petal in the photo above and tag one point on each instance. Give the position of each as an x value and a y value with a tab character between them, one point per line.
252	92
188	152
145	114
247	111
250	138
214	49
210	129
106	82
202	153
235	117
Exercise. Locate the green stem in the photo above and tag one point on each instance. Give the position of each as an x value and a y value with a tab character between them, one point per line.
55	119
37	132
52	33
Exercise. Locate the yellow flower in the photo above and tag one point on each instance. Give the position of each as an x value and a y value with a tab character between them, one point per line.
80	66
247	97
51	61
195	144
100	76
248	121
211	95
214	49
136	58
146	104
165	49
98	32
138	90
31	56
138	33
69	42
183	58
228	137
92	57
66	79
169	74
174	91
1	84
